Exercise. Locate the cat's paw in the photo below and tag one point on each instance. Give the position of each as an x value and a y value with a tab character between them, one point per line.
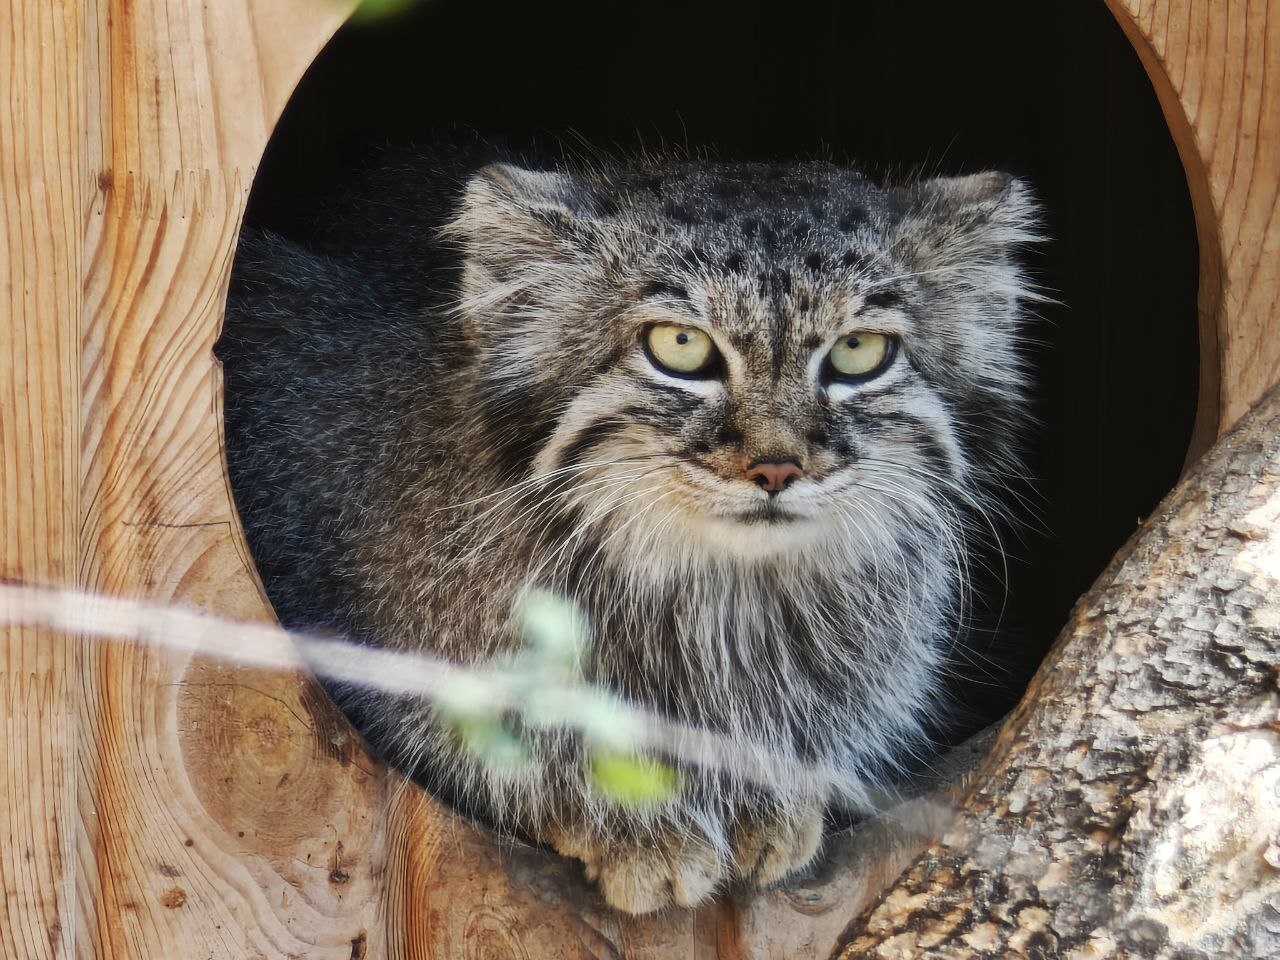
646	874
768	848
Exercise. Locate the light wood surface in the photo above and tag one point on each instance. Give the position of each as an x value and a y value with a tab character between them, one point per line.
156	806
130	135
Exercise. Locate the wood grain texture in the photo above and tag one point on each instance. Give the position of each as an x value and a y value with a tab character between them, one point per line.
40	215
131	132
1215	65
155	806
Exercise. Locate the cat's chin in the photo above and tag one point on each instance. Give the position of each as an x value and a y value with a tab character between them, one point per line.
759	532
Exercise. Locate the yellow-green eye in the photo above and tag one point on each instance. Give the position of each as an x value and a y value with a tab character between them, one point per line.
857	356
684	351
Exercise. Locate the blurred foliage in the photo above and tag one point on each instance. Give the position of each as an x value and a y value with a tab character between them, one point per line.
554	628
370	11
543	687
633	781
489	739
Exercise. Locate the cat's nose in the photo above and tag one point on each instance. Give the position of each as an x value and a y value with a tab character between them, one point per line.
774	477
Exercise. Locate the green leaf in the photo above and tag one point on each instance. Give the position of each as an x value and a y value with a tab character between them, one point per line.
493	744
466	698
633	781
553	627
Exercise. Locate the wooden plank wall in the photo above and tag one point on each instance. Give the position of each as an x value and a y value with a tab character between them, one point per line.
130	134
159	806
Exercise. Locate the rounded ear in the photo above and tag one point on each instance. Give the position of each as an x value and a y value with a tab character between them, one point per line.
545	193
975	219
527	245
520	230
510	212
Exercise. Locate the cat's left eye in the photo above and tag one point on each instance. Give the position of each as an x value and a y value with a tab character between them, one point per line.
860	356
680	350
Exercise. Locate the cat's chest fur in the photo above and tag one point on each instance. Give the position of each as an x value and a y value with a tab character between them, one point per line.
827	653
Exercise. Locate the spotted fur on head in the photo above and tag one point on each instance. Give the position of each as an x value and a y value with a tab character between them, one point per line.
411	454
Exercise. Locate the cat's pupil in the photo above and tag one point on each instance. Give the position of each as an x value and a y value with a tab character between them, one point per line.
852	343
682	338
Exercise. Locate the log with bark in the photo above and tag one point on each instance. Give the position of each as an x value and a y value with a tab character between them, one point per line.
1130	806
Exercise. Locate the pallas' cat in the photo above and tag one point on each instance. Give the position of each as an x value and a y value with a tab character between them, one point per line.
749	418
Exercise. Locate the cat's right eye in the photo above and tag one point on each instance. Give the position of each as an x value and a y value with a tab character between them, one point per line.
681	351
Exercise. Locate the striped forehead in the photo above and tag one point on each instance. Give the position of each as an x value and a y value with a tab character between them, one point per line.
781	308
776	264
774	326
748	321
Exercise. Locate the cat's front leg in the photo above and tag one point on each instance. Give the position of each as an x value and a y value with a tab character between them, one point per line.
771	841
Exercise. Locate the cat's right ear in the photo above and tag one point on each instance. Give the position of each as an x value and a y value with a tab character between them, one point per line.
511	214
522	232
540	193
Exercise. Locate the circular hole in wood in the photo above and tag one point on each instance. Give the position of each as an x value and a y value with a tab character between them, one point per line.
1054	94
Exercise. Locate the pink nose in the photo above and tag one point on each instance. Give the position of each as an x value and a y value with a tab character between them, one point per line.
774	477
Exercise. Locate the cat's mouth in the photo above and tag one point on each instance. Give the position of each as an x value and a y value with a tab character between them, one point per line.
766	513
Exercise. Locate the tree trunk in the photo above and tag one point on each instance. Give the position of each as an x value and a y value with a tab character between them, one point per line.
1130	806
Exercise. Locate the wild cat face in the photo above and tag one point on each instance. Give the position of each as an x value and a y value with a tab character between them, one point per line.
748	359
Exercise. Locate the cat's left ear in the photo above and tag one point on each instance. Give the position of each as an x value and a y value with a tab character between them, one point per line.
960	225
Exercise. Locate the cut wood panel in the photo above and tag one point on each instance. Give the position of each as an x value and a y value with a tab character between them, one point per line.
453	891
153	805
1216	67
40	212
214	814
131	135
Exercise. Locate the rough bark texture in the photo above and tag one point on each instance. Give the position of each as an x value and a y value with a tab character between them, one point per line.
1130	807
